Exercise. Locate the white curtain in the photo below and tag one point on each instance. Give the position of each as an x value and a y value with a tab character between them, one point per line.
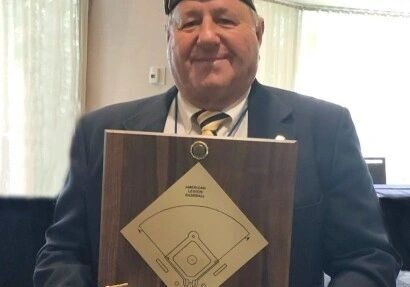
278	53
40	92
362	62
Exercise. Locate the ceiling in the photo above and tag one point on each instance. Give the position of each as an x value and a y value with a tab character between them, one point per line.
385	5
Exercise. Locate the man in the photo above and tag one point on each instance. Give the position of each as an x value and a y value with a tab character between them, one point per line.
213	50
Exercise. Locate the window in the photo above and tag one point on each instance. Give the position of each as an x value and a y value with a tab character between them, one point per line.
363	63
359	61
40	98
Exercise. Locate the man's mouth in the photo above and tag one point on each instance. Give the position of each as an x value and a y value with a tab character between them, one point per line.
208	59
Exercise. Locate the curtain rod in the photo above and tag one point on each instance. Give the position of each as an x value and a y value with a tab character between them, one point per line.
339	9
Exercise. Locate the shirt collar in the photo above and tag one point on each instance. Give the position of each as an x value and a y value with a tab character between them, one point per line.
185	112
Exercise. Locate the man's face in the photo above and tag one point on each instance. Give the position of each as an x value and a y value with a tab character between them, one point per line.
213	49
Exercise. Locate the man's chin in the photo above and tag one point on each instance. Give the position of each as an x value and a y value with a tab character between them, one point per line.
213	90
214	83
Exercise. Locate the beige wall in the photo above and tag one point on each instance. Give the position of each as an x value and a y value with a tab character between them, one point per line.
125	38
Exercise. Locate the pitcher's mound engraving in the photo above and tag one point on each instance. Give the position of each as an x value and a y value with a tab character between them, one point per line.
193	235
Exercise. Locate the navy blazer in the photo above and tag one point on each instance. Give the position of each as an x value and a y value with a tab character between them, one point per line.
337	226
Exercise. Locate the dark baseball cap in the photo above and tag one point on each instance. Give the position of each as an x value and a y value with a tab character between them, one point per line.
170	4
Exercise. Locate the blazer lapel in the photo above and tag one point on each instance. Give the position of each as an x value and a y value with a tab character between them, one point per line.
269	116
152	115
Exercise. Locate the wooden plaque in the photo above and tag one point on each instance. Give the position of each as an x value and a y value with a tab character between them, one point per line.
258	175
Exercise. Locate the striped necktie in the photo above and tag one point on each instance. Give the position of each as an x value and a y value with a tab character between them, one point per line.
210	122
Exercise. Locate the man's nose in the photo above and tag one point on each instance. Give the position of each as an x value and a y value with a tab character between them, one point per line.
208	36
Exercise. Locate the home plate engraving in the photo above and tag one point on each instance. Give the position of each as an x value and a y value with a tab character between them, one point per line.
194	235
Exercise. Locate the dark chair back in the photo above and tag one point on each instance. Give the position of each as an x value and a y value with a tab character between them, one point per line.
22	226
377	169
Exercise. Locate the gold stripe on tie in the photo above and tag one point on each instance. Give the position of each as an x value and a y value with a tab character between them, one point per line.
210	122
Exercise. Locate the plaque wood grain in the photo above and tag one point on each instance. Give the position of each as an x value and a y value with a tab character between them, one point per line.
258	175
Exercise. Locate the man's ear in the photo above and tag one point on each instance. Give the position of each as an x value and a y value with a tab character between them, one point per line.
260	29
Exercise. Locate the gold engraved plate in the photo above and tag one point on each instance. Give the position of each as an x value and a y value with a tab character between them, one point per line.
194	234
199	150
